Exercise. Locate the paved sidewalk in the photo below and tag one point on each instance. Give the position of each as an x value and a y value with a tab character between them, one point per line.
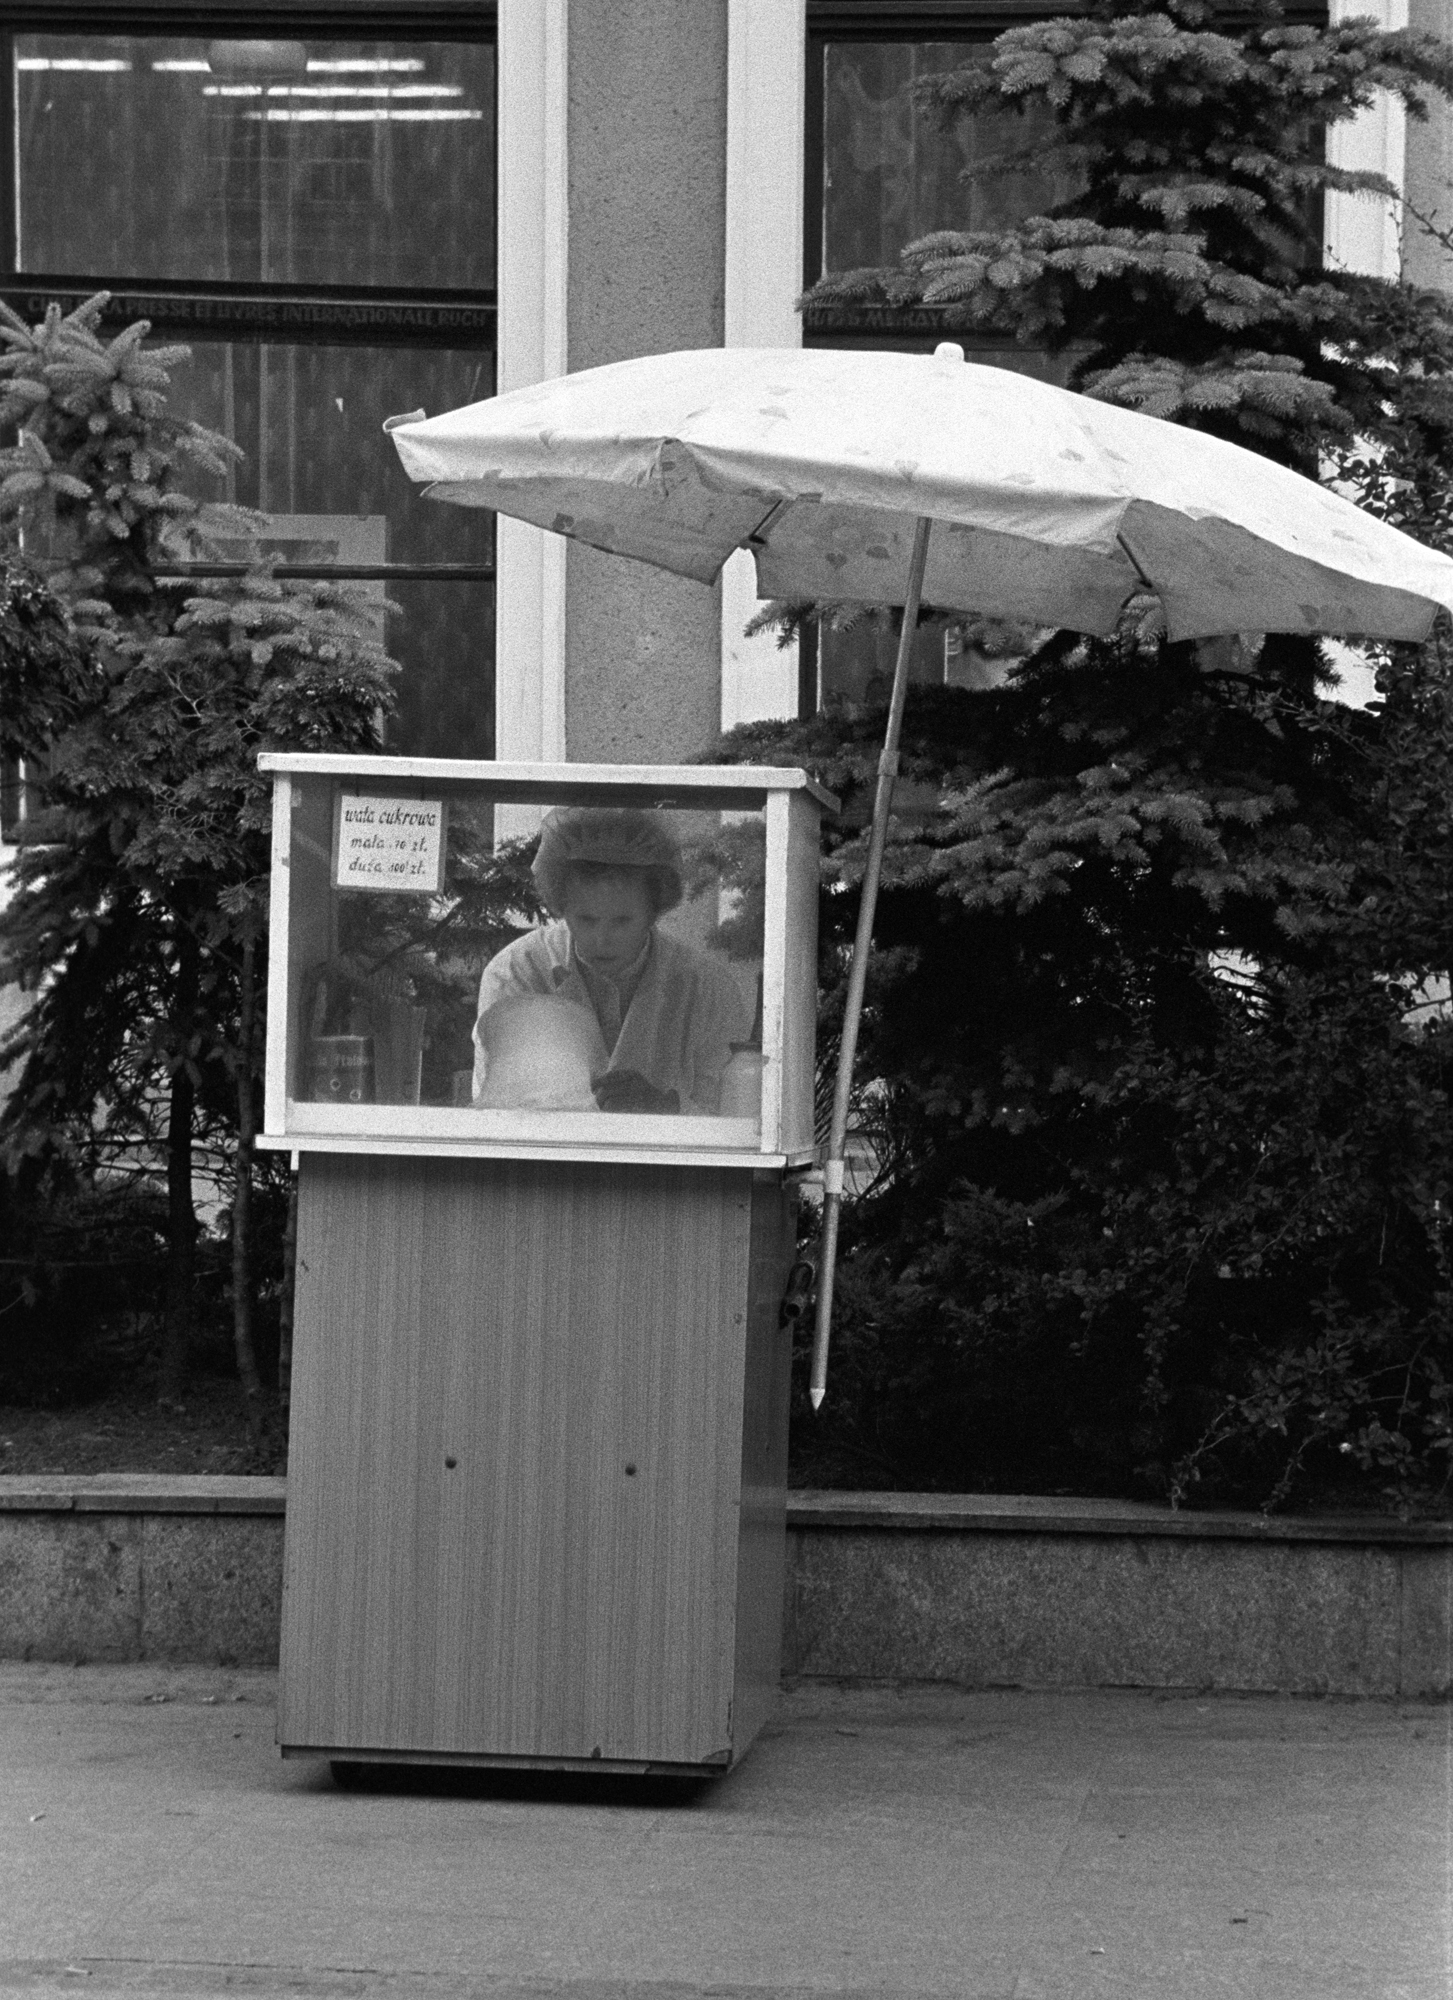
1019	1846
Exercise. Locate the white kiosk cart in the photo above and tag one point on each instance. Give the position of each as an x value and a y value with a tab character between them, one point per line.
537	1470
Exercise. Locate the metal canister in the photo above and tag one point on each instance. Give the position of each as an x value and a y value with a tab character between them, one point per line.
341	1069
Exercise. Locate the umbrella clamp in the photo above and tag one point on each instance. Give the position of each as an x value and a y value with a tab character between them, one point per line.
797	1297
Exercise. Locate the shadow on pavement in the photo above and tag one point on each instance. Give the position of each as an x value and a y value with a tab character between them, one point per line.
463	1781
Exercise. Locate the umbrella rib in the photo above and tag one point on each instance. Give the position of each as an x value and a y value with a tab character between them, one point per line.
1135	563
759	534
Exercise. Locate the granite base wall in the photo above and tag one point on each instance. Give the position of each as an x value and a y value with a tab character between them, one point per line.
978	1591
141	1568
1104	1611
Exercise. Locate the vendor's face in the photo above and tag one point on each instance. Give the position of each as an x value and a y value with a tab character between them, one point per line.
610	919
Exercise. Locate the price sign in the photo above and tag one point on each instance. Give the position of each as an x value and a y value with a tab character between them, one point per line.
395	845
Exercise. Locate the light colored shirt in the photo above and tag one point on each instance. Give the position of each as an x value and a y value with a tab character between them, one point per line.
611	998
675	1012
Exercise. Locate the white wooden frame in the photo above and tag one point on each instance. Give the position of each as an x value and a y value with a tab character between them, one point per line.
551	783
275	1064
532	53
766	112
790	802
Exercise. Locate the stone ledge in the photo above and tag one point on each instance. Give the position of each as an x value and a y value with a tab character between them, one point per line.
139	1493
956	1513
976	1590
1031	1514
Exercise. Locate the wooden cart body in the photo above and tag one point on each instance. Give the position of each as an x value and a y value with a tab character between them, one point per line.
537	1465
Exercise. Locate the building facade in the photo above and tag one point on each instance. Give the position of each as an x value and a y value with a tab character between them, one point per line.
348	211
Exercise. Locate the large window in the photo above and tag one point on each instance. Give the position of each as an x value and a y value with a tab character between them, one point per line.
313	213
882	171
892	171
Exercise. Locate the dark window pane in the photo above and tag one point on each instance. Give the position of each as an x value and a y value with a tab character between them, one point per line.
319	465
338	163
443	637
855	663
892	172
310	420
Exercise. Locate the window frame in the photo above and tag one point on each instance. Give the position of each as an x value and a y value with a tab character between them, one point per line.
913	329
258	313
907	329
873	21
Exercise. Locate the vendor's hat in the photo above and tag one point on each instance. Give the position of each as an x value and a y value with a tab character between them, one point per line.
608	837
540	1051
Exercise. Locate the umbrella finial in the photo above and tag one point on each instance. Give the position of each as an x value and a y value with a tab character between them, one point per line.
948	350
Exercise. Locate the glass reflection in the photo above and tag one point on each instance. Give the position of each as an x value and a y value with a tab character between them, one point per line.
257	162
612	966
892	172
310	421
601	1006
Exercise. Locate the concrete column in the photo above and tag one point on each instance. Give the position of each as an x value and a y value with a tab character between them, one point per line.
650	199
534	236
1429	167
766	102
646	149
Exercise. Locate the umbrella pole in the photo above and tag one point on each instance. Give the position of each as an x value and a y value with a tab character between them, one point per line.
832	1172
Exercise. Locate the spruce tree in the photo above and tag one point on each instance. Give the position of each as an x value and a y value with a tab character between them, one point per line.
137	920
1158	1102
1183	275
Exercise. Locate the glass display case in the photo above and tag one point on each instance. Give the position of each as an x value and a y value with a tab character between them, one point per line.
563	961
525	1025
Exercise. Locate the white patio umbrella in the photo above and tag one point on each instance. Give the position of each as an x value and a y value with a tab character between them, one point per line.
888	478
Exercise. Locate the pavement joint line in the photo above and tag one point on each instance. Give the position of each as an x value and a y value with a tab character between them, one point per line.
178	1979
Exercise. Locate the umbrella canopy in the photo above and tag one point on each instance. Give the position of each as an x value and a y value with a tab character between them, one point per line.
892	478
1048	508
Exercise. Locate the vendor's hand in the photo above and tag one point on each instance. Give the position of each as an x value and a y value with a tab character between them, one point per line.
628	1090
